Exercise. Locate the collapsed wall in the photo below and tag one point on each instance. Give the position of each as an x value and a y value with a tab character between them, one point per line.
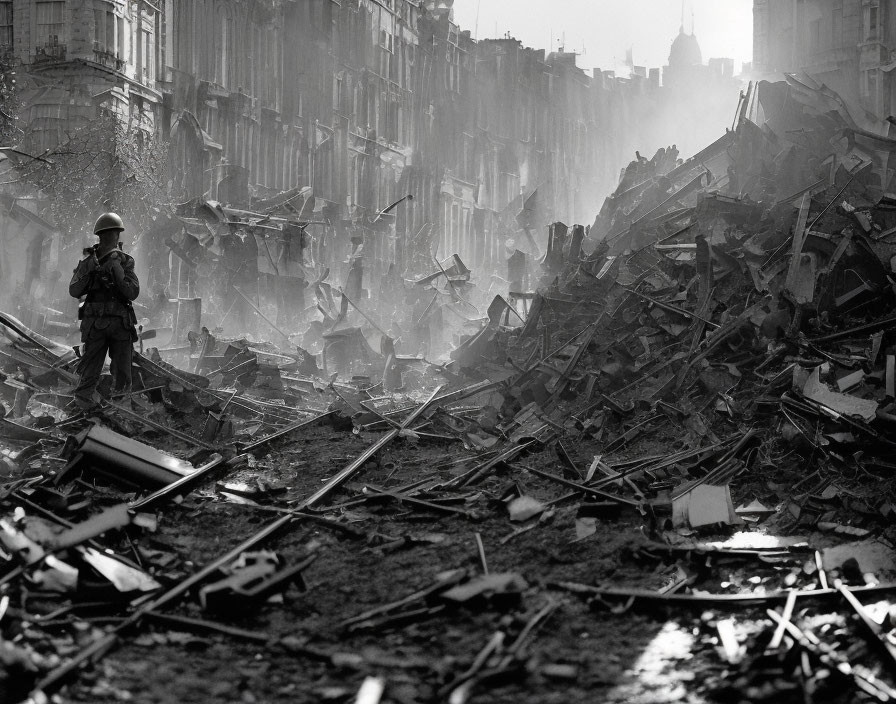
722	334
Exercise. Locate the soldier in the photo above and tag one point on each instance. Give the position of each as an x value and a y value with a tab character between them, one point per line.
108	323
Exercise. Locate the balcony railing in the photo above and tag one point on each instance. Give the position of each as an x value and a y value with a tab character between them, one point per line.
108	59
49	52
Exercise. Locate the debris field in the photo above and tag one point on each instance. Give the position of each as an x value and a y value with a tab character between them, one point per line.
660	469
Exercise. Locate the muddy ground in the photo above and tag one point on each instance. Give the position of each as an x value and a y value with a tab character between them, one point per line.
297	649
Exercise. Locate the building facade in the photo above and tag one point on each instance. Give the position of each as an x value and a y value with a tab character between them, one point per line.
848	45
73	58
322	113
80	55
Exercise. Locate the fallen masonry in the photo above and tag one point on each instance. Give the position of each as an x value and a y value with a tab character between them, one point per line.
668	463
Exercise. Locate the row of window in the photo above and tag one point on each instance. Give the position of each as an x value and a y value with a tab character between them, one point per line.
222	56
237	55
130	41
375	106
823	33
832	30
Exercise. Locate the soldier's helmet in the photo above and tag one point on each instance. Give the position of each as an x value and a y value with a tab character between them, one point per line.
108	221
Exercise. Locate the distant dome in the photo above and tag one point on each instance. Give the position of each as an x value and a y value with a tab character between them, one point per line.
685	51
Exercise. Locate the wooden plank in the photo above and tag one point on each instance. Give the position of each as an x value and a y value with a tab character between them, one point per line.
799	238
891	372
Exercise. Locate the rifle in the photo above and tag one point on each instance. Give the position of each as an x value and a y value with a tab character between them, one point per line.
108	284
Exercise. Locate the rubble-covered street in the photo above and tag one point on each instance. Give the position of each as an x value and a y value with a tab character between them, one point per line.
660	468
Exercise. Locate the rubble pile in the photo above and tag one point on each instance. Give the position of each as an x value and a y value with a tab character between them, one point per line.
690	413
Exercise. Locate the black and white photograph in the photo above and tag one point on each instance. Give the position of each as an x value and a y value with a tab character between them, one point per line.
447	351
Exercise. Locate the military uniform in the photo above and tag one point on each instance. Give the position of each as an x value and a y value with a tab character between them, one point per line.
108	322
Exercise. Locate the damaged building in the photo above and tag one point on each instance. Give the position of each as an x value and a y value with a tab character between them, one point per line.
672	442
844	44
442	417
323	114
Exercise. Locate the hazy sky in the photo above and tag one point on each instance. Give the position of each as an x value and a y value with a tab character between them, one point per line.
607	28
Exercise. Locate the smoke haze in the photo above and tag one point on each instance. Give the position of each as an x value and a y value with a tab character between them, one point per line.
608	28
